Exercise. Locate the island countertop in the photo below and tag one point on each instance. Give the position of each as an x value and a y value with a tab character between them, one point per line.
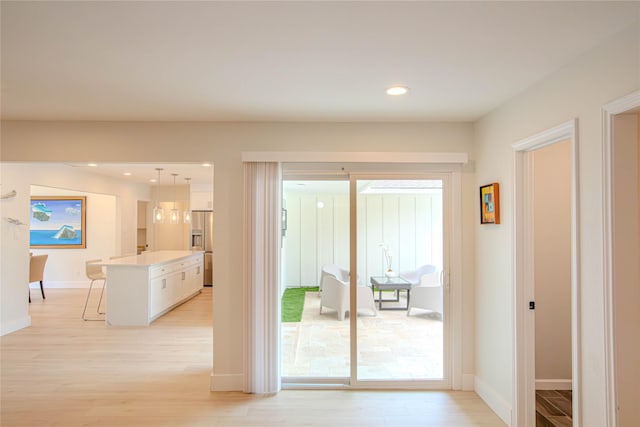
147	259
141	288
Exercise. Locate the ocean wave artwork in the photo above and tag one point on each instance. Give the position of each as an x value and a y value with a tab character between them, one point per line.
48	238
57	221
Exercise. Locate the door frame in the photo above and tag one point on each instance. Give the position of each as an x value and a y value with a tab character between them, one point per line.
609	111
408	163
523	413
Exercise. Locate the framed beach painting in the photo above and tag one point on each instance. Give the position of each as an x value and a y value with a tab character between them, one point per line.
58	222
490	204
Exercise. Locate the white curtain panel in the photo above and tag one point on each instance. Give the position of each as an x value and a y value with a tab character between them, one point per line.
261	277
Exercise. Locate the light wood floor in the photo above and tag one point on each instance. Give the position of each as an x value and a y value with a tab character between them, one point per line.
63	371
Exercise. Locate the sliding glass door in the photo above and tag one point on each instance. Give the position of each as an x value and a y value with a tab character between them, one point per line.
374	246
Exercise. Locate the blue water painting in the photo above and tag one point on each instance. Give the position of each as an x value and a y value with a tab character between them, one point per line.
46	237
56	221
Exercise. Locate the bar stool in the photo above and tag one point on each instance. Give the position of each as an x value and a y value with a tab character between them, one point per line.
94	272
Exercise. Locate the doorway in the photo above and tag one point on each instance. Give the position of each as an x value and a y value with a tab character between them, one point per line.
622	252
532	220
399	227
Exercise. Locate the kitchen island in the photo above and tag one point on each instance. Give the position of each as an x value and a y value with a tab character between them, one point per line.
141	288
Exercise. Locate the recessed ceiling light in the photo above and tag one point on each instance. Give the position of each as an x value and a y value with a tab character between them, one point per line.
397	90
152	180
126	173
206	165
92	165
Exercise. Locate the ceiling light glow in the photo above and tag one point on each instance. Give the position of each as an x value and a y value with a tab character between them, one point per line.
92	165
397	90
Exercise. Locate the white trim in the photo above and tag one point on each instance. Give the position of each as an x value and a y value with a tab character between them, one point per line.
15	325
554	384
618	106
523	289
226	382
494	401
352	157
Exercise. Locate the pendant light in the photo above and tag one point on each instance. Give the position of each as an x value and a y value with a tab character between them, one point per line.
174	214
187	212
158	212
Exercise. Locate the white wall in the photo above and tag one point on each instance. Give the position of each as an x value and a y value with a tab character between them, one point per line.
552	261
66	267
14	259
222	144
410	224
626	269
578	90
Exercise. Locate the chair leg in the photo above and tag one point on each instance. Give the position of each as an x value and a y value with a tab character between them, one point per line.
104	283
42	289
86	302
29	290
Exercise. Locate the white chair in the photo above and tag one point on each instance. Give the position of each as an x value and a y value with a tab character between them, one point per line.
426	289
336	296
335	271
94	272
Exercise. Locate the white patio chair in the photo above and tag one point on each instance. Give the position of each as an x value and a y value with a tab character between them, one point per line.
335	271
335	295
426	289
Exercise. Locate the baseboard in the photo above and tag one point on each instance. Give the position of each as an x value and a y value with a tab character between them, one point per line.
15	325
52	284
493	400
554	384
468	382
227	382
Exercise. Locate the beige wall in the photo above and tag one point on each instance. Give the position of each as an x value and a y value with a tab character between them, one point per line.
222	145
626	268
552	260
578	90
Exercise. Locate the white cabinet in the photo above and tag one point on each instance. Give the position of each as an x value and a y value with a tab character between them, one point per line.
201	200
144	287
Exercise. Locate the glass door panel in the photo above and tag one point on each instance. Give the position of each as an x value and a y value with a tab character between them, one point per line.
315	326
400	238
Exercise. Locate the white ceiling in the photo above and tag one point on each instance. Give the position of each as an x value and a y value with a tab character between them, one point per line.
142	173
287	61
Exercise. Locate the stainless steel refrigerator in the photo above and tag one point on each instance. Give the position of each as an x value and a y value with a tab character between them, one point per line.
202	240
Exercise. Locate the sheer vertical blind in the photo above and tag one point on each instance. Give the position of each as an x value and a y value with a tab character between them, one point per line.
261	277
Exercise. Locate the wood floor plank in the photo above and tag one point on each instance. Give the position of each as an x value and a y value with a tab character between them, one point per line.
63	371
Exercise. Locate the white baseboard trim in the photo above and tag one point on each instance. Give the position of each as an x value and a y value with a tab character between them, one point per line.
227	382
468	382
497	404
65	285
553	384
15	325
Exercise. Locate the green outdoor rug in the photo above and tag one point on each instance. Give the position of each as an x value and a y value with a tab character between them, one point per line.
293	303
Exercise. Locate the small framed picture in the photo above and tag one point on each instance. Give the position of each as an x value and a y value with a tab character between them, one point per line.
490	204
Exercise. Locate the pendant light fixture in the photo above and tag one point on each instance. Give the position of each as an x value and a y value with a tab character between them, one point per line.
187	212
174	214
158	212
